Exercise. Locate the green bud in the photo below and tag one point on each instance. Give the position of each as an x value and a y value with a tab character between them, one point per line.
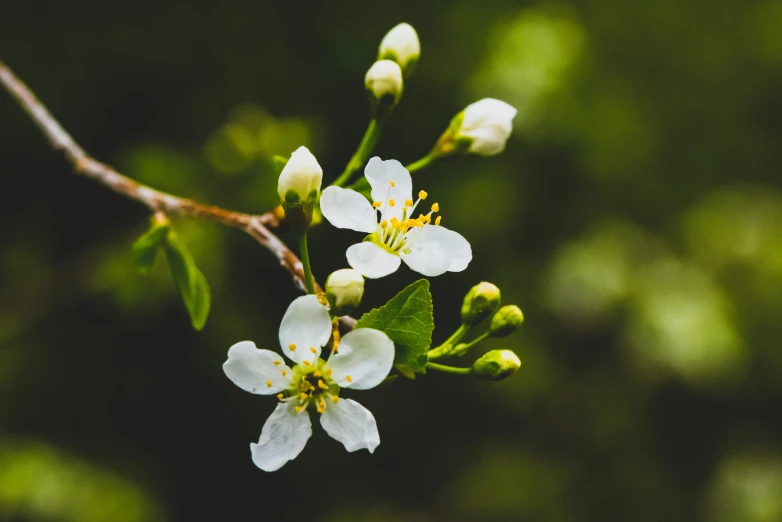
507	320
344	290
496	365
479	303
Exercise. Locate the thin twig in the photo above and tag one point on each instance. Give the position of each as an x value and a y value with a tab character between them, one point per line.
254	225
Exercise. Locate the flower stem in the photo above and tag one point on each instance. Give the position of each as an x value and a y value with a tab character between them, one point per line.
421	163
365	148
447	346
461	349
448	369
305	262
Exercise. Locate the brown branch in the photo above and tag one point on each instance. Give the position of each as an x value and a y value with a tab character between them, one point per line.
254	225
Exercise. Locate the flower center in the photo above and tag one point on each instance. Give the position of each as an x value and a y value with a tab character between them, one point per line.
311	385
397	235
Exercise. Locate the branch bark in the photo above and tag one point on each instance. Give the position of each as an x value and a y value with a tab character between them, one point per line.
257	226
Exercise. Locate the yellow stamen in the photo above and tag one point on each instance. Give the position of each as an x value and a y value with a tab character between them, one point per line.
305	362
299	409
292	347
312	388
321	384
321	410
428	218
392	184
316	374
268	384
280	396
328	371
334	399
394	222
303	396
322	404
408	202
384	224
391	202
376	204
437	221
436	207
423	194
349	378
313	350
277	363
284	373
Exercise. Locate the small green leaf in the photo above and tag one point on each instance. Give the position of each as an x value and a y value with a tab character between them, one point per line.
146	247
408	321
278	163
189	280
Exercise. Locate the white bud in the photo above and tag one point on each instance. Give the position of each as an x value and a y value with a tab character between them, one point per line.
344	290
401	45
300	179
487	124
384	79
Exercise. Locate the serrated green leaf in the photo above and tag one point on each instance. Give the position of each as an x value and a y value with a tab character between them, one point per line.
408	321
146	248
189	280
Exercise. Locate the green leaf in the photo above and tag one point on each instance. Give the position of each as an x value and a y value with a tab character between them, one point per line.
278	163
407	319
189	280
146	247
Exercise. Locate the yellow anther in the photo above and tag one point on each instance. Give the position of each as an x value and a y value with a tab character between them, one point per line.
436	207
280	396
322	404
277	363
299	409
303	396
328	371
312	388
284	373
292	347
321	410
423	194
313	350
391	202
268	384
408	202
321	384
376	204
428	218
437	221
334	399
316	374
305	362
394	222
384	224
349	378
392	184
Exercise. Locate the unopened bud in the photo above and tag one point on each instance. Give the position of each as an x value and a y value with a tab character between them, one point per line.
496	365
482	128
479	303
507	320
401	45
344	290
299	187
385	85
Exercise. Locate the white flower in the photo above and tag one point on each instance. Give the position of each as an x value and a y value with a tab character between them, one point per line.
300	179
344	290
361	361
395	235
401	45
488	124
383	79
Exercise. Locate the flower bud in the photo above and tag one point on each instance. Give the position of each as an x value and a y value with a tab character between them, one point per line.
482	128
479	303
507	320
496	365
344	290
300	179
385	85
401	45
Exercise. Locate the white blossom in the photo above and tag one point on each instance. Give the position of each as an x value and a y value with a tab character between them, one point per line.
361	360
488	124
401	45
395	235
300	179
384	79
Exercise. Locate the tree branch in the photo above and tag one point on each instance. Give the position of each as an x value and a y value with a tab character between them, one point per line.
254	225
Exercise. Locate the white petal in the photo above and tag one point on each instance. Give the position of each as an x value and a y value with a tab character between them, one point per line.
489	140
427	258
345	208
371	260
253	370
487	112
380	174
438	241
365	355
307	326
351	424
284	435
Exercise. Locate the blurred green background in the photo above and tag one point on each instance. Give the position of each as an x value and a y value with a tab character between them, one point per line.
636	217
